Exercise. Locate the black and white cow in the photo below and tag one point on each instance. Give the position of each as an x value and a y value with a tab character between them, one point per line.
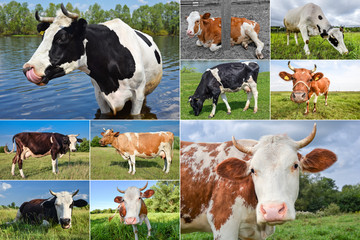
54	210
124	64
227	77
39	144
311	21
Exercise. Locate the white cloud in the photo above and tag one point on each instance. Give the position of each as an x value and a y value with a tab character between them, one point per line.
81	6
82	196
142	1
2	196
45	129
135	6
5	186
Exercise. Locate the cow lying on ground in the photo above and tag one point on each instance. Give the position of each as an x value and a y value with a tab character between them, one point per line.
208	31
305	84
132	208
54	210
143	145
241	189
311	21
124	64
37	144
227	77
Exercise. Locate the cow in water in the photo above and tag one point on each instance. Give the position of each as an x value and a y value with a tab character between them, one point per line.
124	64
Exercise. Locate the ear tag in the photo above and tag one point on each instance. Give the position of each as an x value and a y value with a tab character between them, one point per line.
317	78
42	33
286	78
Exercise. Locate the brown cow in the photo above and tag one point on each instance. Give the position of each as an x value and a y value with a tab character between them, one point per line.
208	31
144	145
305	84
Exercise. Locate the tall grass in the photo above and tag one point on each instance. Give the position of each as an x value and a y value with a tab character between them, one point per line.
319	49
106	163
41	168
237	100
78	230
341	105
164	226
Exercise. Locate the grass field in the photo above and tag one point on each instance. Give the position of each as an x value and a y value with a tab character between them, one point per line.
341	105
19	231
106	163
41	168
164	226
237	100
318	48
325	228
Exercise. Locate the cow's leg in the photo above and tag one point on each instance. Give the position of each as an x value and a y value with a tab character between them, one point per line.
54	161
305	36
215	100
249	95
148	226
223	97
259	44
296	38
253	86
45	223
135	231
199	43
104	106
138	99
130	165
132	158
214	47
168	158
13	164
326	96
315	101
20	161
307	107
287	38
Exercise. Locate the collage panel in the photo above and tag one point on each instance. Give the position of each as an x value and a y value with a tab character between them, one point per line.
44	150
200	29
240	179
44	210
243	87
124	209
128	150
320	89
314	30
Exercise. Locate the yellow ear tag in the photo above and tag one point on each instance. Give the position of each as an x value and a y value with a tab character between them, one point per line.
42	33
286	78
317	78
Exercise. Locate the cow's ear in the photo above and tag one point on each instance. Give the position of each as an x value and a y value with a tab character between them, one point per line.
81	26
186	17
286	76
233	169
206	16
116	134
148	193
317	160
318	76
80	203
79	140
118	199
41	27
102	134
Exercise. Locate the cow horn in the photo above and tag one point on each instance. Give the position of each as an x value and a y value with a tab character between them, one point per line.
43	19
104	129
242	148
291	67
68	14
314	69
76	192
52	193
304	142
143	188
120	190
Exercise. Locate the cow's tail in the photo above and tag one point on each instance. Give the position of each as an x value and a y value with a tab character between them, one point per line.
111	217
6	148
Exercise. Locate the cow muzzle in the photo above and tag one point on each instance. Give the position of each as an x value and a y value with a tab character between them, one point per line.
65	223
131	220
299	97
32	76
190	33
274	213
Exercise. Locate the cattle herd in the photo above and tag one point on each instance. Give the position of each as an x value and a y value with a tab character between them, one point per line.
232	183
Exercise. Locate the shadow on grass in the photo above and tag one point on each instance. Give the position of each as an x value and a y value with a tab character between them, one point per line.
138	164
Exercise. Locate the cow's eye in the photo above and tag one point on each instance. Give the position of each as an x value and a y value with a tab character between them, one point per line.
296	166
252	170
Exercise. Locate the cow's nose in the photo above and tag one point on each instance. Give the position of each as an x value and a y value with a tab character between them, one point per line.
299	97
189	32
73	150
65	221
273	212
130	220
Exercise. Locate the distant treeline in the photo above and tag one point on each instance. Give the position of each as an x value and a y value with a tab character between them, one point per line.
160	19
283	29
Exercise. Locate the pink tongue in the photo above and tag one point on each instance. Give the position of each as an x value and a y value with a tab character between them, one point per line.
31	76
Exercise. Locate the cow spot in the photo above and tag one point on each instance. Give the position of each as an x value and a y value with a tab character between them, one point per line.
157	55
142	36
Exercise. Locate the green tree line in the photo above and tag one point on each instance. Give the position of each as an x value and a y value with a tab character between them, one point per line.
160	19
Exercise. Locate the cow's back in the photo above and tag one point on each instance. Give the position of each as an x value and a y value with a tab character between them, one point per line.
32	211
38	143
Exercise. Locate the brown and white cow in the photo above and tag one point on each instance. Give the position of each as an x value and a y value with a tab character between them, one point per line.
39	144
305	84
242	188
132	208
208	31
144	145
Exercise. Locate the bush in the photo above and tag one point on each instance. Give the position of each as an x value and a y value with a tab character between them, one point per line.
332	209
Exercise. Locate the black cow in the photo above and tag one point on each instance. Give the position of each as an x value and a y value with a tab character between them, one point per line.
36	144
227	77
124	64
57	209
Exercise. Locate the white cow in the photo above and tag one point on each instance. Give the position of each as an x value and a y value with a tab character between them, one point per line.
311	21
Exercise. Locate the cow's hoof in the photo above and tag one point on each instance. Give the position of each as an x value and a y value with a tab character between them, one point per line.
245	109
228	113
306	113
210	116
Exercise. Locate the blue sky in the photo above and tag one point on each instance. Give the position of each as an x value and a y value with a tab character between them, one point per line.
9	128
134	126
342	74
104	192
341	137
83	5
22	191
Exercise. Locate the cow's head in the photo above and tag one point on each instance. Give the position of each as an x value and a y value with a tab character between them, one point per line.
336	39
274	169
193	24
63	203
196	103
302	79
62	49
132	205
73	140
108	137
